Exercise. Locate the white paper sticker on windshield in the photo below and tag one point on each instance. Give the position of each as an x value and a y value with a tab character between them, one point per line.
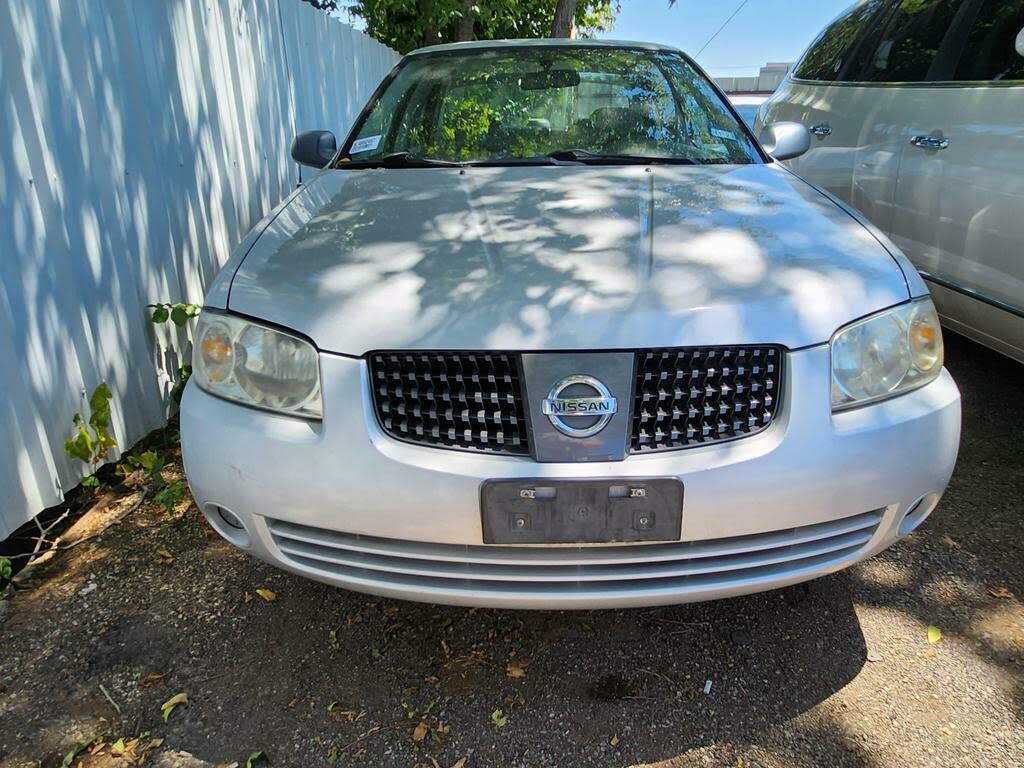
1020	42
365	144
727	135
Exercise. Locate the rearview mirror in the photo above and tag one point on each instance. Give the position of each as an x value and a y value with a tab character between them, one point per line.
784	141
554	78
314	148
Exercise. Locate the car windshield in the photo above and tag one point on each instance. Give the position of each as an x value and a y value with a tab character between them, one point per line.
547	104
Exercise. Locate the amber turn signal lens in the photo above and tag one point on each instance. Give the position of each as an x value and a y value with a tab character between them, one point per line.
926	338
215	351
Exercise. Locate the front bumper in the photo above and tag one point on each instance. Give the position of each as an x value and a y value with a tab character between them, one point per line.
341	502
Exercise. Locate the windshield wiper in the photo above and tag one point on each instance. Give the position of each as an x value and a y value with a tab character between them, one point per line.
403	160
597	158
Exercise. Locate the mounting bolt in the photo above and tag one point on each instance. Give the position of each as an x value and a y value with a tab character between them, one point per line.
520	521
644	521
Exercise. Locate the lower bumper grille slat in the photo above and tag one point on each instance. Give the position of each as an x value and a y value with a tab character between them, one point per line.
374	580
667	569
572	555
562	568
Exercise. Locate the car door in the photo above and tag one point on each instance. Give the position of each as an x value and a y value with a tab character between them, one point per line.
959	204
856	142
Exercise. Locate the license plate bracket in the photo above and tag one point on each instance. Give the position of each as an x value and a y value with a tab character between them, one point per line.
546	511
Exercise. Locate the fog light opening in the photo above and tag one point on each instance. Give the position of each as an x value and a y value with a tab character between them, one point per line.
230	518
227	524
917	512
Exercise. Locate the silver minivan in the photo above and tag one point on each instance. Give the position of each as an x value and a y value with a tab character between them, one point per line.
917	109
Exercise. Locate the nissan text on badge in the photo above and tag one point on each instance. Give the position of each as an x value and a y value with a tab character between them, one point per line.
552	329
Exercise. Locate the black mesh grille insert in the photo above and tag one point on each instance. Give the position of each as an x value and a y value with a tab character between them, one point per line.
686	397
468	400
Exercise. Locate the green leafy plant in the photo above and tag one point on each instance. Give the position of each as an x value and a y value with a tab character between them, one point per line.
178	313
5	571
148	463
171	495
92	439
184	374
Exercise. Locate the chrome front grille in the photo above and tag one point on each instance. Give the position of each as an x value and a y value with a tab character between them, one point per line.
685	397
466	400
476	400
482	569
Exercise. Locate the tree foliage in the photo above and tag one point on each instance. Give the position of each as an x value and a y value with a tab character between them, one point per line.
324	5
408	24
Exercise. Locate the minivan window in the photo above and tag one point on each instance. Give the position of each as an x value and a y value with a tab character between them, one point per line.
910	41
910	38
990	52
828	57
541	104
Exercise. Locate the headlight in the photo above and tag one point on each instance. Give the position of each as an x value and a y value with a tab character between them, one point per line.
886	354
256	365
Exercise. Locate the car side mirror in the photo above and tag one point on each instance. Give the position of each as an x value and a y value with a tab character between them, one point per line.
314	148
784	141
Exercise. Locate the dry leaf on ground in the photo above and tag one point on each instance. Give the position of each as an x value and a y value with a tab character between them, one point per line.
168	706
516	669
147	680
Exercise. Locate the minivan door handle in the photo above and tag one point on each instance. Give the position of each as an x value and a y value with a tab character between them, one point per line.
821	130
929	142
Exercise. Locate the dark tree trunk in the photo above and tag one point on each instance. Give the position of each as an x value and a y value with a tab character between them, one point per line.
430	33
464	26
565	11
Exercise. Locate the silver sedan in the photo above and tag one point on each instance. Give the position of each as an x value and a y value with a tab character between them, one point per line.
552	329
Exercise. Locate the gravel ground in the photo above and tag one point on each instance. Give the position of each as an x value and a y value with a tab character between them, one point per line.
838	672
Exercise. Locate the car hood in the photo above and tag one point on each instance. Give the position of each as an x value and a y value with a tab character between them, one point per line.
563	257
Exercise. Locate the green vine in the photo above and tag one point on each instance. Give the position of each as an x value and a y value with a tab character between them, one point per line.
92	439
178	313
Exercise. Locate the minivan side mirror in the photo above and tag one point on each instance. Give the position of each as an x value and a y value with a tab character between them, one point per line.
784	141
314	148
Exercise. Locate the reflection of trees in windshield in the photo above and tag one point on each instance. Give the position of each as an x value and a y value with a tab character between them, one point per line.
525	103
827	55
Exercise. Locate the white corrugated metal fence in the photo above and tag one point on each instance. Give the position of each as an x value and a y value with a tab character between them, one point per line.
141	140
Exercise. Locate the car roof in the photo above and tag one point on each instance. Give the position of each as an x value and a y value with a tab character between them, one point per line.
483	45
